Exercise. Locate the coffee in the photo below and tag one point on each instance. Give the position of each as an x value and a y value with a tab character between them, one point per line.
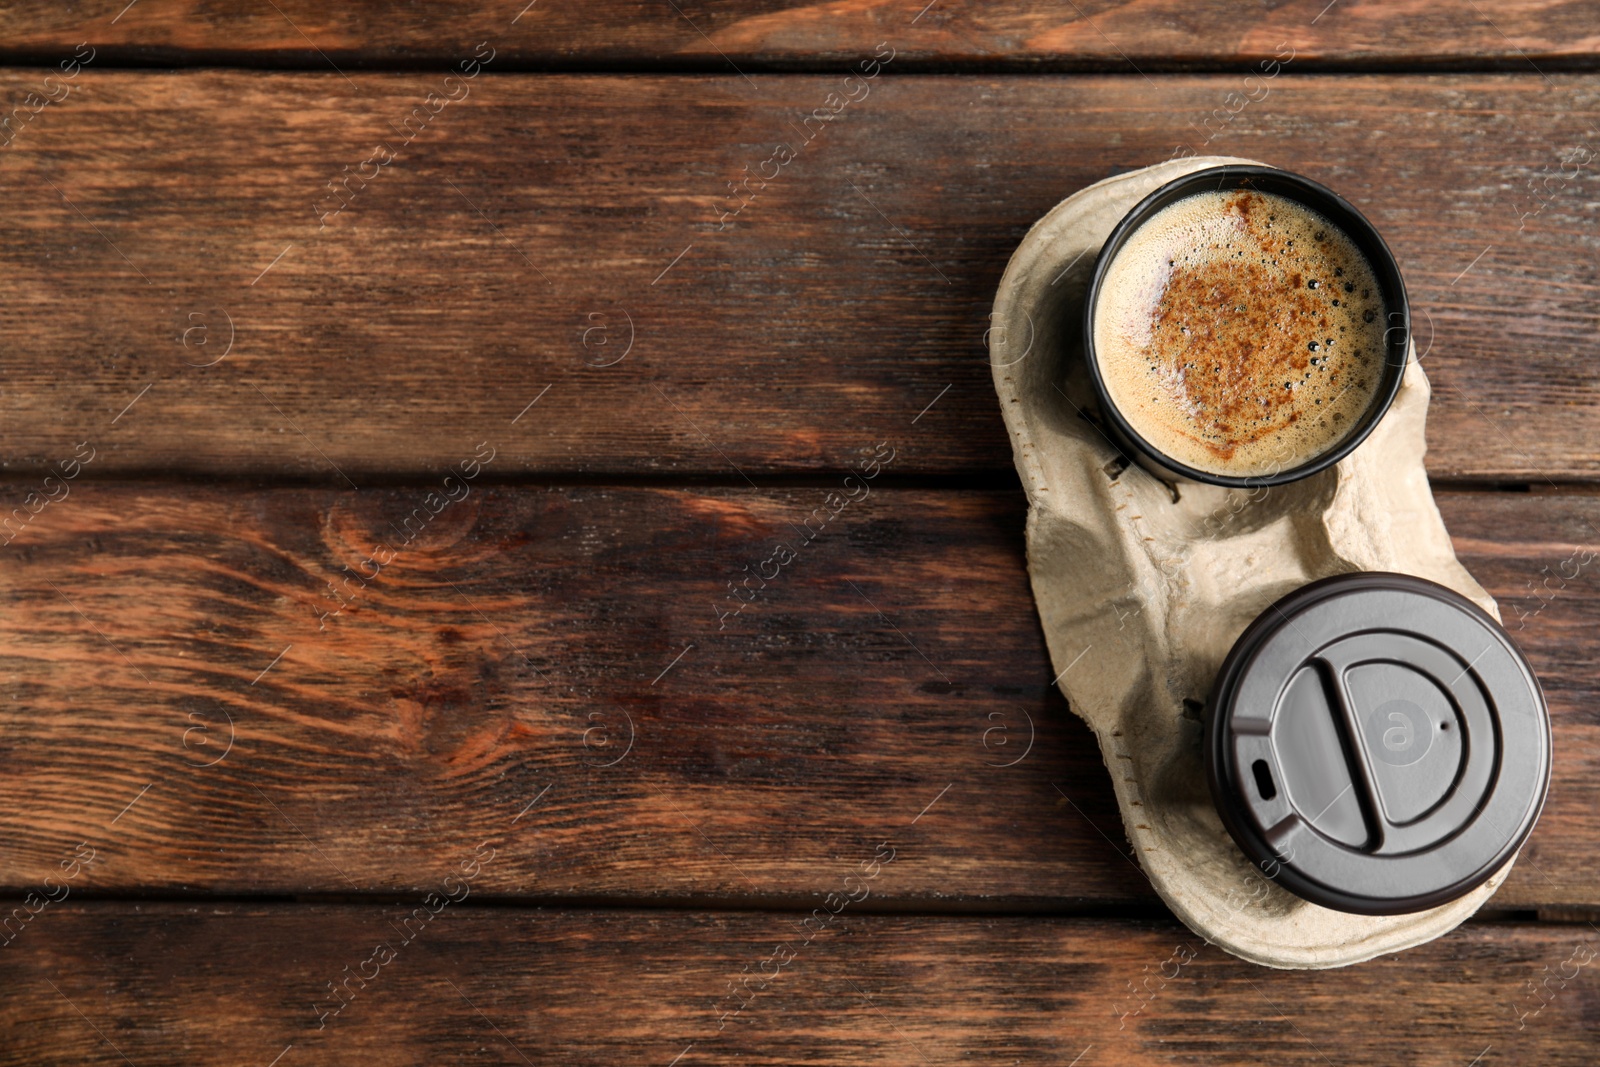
1240	333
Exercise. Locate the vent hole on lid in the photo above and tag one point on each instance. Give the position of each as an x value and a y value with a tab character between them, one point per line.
1263	775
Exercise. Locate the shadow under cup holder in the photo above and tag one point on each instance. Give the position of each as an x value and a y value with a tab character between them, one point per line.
1338	211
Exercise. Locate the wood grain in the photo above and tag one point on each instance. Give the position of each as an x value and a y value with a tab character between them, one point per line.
537	226
761	34
547	667
231	984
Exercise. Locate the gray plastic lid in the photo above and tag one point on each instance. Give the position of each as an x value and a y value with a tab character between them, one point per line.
1377	744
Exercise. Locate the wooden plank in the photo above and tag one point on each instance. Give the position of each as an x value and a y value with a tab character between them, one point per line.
1024	34
550	665
533	647
162	983
558	242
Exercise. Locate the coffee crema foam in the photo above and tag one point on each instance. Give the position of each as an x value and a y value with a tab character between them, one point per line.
1240	333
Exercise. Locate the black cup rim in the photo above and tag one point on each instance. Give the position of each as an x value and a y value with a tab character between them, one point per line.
1337	210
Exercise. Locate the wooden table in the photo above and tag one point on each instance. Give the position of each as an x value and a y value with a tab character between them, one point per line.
397	400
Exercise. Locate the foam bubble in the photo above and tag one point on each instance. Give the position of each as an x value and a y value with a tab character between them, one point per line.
1240	333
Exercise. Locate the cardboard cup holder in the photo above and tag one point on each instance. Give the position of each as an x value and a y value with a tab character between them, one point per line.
1306	791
